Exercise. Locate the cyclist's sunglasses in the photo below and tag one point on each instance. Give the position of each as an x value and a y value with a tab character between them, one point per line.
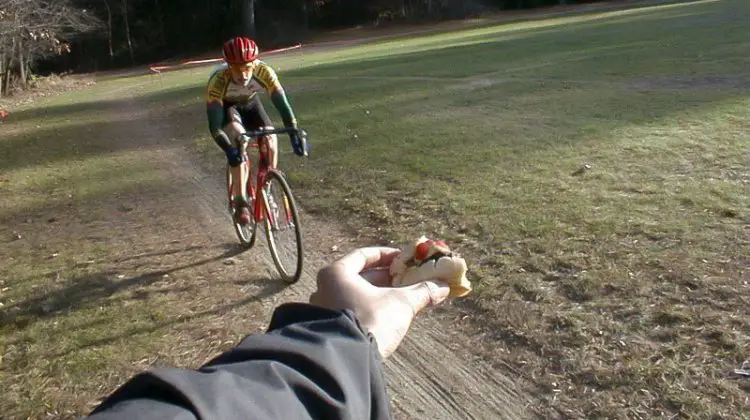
242	68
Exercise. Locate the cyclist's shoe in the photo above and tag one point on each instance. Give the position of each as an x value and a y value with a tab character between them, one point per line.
242	212
243	216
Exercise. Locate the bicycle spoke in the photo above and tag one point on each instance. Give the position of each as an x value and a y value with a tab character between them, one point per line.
284	238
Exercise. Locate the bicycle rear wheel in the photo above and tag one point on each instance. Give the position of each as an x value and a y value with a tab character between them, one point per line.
247	234
283	228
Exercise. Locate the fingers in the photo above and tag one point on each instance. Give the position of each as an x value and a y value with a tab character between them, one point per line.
338	288
380	276
370	257
424	294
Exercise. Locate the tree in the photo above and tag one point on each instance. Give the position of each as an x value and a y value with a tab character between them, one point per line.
33	29
109	30
248	18
127	30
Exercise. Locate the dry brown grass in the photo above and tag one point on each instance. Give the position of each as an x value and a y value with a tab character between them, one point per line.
619	290
600	192
105	270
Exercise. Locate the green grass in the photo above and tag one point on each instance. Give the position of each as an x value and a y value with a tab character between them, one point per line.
618	292
617	289
99	279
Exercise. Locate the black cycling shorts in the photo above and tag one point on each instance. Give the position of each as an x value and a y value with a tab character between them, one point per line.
251	114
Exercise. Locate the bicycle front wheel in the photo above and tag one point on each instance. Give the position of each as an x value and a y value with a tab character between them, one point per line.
283	229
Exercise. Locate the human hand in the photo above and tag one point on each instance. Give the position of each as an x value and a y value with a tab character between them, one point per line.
298	144
360	281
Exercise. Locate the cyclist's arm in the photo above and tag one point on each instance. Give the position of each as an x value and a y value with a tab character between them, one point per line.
217	85
281	102
267	77
312	363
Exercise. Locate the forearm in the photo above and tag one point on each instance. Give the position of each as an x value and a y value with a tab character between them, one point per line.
215	114
222	140
312	363
281	102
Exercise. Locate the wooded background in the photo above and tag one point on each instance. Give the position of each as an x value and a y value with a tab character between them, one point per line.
42	36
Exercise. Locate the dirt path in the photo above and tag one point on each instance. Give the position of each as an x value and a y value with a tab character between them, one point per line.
428	377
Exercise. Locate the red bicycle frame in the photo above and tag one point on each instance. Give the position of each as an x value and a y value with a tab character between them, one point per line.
261	143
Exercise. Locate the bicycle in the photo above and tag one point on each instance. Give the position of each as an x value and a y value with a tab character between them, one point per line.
264	207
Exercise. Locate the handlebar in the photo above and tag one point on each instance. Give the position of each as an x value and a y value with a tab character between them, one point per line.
282	130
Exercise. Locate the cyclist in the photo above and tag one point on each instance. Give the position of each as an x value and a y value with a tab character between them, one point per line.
233	106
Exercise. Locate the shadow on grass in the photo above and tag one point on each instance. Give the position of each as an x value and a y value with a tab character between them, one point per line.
89	129
470	54
90	289
576	47
483	47
578	44
270	288
606	57
164	253
87	108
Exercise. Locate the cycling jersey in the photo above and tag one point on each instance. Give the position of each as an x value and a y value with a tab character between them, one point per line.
222	92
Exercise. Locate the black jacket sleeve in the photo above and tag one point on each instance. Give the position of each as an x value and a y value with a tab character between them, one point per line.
312	363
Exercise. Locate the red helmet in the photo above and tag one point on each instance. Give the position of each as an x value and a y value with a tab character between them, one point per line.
240	50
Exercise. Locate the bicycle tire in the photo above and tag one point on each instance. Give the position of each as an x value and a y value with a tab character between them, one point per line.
247	239
273	246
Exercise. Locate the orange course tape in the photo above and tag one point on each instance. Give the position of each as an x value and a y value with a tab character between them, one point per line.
159	68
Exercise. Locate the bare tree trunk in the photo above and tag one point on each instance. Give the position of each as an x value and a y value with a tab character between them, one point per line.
21	63
160	22
28	69
305	15
109	31
2	74
9	67
127	30
248	18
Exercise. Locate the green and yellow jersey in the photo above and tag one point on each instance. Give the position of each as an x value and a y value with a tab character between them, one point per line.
223	92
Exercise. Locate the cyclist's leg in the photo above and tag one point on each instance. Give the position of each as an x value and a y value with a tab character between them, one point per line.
234	129
257	117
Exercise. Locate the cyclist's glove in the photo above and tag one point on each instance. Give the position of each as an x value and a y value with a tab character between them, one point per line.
234	157
300	145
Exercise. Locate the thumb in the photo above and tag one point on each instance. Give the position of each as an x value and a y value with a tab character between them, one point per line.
426	293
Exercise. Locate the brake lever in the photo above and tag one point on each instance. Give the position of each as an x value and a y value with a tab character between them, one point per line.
305	145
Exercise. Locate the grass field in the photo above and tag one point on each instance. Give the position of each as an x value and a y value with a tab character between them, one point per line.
619	290
594	170
100	277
